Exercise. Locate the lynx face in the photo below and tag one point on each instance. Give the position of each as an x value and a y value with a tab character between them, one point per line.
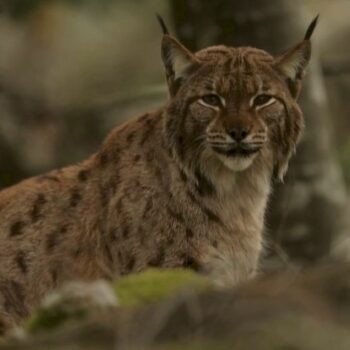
234	104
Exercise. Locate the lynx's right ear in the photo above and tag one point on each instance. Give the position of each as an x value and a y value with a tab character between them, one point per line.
178	60
292	64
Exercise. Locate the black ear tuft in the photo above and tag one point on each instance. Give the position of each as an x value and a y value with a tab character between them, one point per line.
162	24
311	28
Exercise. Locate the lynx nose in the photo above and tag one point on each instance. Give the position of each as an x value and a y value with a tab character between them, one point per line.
239	133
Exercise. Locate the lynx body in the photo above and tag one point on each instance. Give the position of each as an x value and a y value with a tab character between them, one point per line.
185	186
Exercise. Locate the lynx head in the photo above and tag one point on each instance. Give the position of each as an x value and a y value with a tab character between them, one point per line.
235	104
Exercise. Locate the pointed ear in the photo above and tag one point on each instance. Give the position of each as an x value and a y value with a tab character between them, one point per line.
292	64
178	61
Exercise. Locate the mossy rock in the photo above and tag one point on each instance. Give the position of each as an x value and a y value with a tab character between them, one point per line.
74	301
77	300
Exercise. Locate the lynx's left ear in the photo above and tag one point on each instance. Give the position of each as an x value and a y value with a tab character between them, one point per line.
292	63
178	60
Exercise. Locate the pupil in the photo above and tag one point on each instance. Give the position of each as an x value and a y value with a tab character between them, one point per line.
211	99
262	99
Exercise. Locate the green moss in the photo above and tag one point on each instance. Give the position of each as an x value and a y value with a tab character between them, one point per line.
51	318
155	284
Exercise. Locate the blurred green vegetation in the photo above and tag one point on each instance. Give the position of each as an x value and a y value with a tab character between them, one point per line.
154	285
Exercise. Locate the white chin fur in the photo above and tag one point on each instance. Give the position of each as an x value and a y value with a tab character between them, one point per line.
237	163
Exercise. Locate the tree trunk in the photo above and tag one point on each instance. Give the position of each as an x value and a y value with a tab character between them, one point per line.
306	218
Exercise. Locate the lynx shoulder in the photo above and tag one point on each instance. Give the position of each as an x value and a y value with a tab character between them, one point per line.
185	186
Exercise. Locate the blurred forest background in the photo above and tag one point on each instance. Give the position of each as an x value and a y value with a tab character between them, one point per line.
71	70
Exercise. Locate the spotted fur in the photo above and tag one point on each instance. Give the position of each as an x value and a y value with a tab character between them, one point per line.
184	186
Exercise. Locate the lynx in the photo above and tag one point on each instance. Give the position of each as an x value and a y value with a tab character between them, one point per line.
184	186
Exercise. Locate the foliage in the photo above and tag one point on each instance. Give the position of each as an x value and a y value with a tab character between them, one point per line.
155	284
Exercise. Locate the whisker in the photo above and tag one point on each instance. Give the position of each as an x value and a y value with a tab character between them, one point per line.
258	138
219	145
223	142
216	137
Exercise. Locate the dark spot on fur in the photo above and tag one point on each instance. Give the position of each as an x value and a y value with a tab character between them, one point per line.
103	159
104	196
21	262
74	198
204	185
37	206
180	146
108	253
189	233
212	216
17	228
54	276
12	292
141	234
170	196
130	264
191	263
192	197
159	174
149	156
125	231
113	184
77	252
113	234
120	257
143	118
183	176
115	155
215	244
119	205
158	260
137	158
170	240
130	138
147	131
83	175
132	190
2	328
144	138
207	212
51	241
177	216
148	208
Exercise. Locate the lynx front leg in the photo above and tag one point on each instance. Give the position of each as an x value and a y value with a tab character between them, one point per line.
229	265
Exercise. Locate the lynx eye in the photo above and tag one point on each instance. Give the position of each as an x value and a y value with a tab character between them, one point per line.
211	100
262	100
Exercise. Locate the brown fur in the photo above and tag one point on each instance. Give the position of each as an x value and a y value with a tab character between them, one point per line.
162	190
